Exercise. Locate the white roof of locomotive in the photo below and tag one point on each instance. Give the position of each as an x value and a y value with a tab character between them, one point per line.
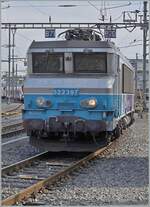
72	44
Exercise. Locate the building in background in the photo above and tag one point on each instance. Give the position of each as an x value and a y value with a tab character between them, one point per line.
138	64
15	88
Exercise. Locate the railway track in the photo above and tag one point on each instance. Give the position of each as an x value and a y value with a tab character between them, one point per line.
12	112
13	128
14	140
24	179
13	109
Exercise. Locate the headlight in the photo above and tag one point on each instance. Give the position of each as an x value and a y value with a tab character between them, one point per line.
89	103
40	101
92	103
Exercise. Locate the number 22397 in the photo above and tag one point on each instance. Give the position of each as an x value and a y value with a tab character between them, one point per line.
67	92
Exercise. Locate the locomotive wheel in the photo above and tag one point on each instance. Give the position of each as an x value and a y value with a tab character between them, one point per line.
108	137
132	120
117	132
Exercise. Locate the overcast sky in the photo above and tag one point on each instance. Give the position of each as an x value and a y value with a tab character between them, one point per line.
83	11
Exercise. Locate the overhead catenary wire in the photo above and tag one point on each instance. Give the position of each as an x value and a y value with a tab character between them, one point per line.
97	9
23	36
130	46
37	9
140	6
93	5
109	12
117	17
103	9
75	5
132	43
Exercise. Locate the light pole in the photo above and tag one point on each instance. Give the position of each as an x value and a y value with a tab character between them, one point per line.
16	79
136	66
13	63
144	52
9	59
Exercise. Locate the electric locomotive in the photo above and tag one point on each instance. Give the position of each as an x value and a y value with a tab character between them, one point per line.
76	92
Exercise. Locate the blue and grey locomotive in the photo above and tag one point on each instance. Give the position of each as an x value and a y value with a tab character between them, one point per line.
76	90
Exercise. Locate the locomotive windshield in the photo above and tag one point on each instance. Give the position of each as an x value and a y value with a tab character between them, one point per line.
93	62
47	62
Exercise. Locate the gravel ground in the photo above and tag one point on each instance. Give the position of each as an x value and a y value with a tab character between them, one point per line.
120	177
17	151
41	168
13	137
11	120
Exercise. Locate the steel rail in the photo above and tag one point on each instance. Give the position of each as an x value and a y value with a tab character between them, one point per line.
21	164
14	140
4	134
12	125
11	110
32	190
4	114
16	127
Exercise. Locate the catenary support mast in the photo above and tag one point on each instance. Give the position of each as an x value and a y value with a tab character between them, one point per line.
144	52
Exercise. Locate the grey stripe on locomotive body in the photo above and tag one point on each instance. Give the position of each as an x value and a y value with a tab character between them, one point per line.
48	84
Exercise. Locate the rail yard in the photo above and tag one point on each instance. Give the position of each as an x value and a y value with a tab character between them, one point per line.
32	177
74	103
